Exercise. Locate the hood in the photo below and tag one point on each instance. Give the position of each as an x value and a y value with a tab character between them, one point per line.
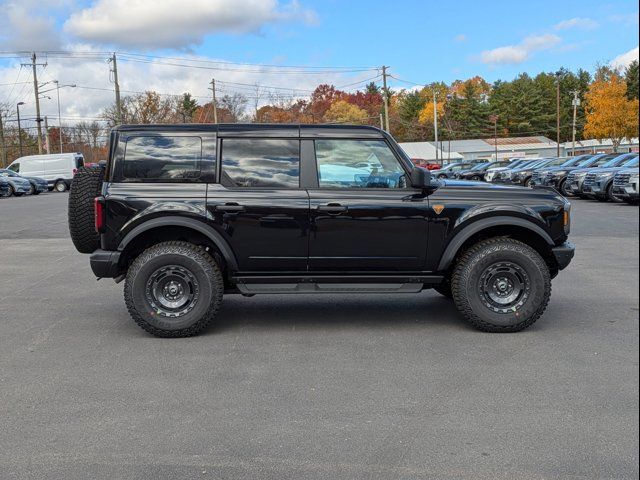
36	179
18	180
480	188
607	170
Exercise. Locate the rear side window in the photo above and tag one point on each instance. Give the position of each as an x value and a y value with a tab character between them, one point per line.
79	161
251	162
162	158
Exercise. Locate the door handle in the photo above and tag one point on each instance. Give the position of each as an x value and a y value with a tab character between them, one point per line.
332	208
229	207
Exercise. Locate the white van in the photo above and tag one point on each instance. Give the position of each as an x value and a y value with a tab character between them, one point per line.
57	169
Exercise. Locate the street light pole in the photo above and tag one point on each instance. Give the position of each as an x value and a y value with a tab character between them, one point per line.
575	102
58	87
435	120
19	129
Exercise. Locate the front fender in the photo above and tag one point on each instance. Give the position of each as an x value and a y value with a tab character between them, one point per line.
466	229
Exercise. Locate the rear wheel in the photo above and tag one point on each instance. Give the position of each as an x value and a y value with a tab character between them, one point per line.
501	285
173	289
60	186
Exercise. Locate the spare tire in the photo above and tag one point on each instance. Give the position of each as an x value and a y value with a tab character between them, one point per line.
86	186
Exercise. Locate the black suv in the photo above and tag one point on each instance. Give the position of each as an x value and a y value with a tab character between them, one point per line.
185	214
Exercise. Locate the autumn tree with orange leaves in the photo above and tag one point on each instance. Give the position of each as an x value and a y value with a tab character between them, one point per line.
609	112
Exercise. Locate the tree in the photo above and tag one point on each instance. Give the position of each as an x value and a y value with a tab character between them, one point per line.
147	107
342	111
188	106
631	77
610	114
234	105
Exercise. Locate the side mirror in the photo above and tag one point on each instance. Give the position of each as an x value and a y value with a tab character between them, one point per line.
420	177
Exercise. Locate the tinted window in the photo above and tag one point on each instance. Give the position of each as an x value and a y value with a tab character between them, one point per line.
248	162
79	161
632	162
162	158
357	164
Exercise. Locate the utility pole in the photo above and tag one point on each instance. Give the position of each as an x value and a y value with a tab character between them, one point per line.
385	96
3	149
33	65
494	119
575	102
381	123
46	135
435	120
114	70
215	107
19	128
558	114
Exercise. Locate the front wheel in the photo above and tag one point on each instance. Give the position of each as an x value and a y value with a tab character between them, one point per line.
564	189
611	196
173	289
501	285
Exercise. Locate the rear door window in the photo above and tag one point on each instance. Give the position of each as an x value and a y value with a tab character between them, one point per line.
162	158
257	162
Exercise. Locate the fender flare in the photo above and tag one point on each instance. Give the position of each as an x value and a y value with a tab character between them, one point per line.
467	232
175	221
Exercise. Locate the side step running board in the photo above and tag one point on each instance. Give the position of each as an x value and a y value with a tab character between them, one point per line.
337	284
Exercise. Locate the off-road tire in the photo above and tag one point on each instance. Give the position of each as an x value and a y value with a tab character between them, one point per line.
466	288
86	186
186	255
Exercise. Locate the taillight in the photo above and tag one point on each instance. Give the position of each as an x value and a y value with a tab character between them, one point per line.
75	170
98	213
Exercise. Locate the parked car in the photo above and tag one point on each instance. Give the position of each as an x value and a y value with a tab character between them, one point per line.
57	169
497	171
211	230
4	187
503	175
478	173
18	185
38	185
522	175
625	185
598	184
575	179
472	168
448	171
556	177
421	162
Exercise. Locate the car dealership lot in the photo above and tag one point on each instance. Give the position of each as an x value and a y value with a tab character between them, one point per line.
372	386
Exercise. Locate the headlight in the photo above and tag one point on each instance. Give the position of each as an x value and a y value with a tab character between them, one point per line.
581	174
560	173
634	177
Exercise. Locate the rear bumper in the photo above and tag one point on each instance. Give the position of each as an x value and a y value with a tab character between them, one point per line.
564	254
104	263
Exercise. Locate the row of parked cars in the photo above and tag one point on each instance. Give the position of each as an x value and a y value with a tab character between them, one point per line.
34	174
605	177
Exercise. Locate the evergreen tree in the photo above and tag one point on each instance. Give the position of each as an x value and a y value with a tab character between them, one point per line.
631	77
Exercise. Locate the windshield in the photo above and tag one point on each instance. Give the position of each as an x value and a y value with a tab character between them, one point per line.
556	162
8	173
480	166
633	162
572	162
616	161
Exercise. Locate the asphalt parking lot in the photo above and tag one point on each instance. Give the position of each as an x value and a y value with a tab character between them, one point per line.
359	387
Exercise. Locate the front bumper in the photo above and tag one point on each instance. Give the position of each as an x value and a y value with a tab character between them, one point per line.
105	263
22	188
564	254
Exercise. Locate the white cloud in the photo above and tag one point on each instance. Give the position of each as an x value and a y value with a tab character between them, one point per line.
514	54
624	59
20	29
577	22
84	103
153	24
460	38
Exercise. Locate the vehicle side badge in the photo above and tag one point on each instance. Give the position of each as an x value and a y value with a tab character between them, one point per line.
438	209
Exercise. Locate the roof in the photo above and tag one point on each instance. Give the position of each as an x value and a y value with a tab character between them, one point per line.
504	144
262	129
426	151
597	143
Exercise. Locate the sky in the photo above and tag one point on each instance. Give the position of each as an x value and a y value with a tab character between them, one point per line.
287	47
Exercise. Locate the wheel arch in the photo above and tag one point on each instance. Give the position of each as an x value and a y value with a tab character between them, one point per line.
175	228
518	228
